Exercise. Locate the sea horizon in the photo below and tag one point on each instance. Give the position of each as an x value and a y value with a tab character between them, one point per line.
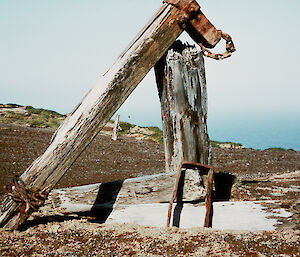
260	132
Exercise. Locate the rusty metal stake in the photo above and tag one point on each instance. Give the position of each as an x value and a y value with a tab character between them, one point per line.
206	170
174	195
208	200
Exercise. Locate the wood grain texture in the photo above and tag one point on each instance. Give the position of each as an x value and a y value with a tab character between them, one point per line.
182	89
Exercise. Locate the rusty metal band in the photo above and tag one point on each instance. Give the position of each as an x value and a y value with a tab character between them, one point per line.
27	200
187	8
196	165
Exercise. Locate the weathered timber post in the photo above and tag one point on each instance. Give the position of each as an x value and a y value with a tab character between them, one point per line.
116	128
180	77
102	101
181	82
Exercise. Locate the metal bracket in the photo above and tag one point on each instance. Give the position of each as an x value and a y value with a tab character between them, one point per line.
195	23
204	170
187	8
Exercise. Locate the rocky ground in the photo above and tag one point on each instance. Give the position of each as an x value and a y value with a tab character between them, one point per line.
83	238
260	175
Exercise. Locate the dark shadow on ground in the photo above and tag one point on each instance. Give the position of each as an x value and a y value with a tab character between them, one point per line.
44	220
107	196
103	206
179	202
223	185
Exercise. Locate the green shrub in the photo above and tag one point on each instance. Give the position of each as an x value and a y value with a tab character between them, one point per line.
232	143
36	123
32	110
47	113
125	126
54	123
157	134
9	105
214	143
276	149
217	143
13	115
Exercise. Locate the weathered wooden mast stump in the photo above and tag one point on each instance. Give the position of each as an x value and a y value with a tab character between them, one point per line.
181	82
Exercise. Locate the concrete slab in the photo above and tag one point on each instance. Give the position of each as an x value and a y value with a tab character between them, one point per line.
247	215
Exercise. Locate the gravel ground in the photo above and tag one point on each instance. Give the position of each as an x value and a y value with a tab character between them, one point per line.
82	238
107	160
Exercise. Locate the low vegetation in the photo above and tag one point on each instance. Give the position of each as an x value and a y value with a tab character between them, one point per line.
125	127
157	134
151	132
30	116
41	118
278	149
219	144
10	105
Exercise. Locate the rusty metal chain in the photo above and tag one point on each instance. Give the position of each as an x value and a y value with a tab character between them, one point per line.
27	200
190	11
230	48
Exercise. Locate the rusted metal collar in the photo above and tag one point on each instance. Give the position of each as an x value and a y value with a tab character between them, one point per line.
188	8
203	168
27	200
195	23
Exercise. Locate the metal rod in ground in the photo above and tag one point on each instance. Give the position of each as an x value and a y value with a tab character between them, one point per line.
208	200
174	195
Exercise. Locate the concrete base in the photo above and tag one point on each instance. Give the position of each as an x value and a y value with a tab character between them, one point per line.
250	216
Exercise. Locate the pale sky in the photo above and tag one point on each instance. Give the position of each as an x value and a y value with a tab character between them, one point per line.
52	53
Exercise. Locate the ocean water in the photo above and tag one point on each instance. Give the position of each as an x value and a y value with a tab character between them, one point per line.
259	131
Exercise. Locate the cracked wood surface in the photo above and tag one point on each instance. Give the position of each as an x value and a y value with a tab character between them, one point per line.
181	84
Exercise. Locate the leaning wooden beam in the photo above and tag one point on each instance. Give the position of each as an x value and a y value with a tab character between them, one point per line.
103	100
148	189
180	77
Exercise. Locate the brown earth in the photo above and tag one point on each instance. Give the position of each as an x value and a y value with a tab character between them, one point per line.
107	160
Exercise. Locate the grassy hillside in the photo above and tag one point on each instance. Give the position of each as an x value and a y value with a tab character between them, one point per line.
30	116
42	118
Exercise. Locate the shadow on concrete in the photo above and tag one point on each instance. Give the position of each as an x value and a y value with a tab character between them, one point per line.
106	197
179	203
223	186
